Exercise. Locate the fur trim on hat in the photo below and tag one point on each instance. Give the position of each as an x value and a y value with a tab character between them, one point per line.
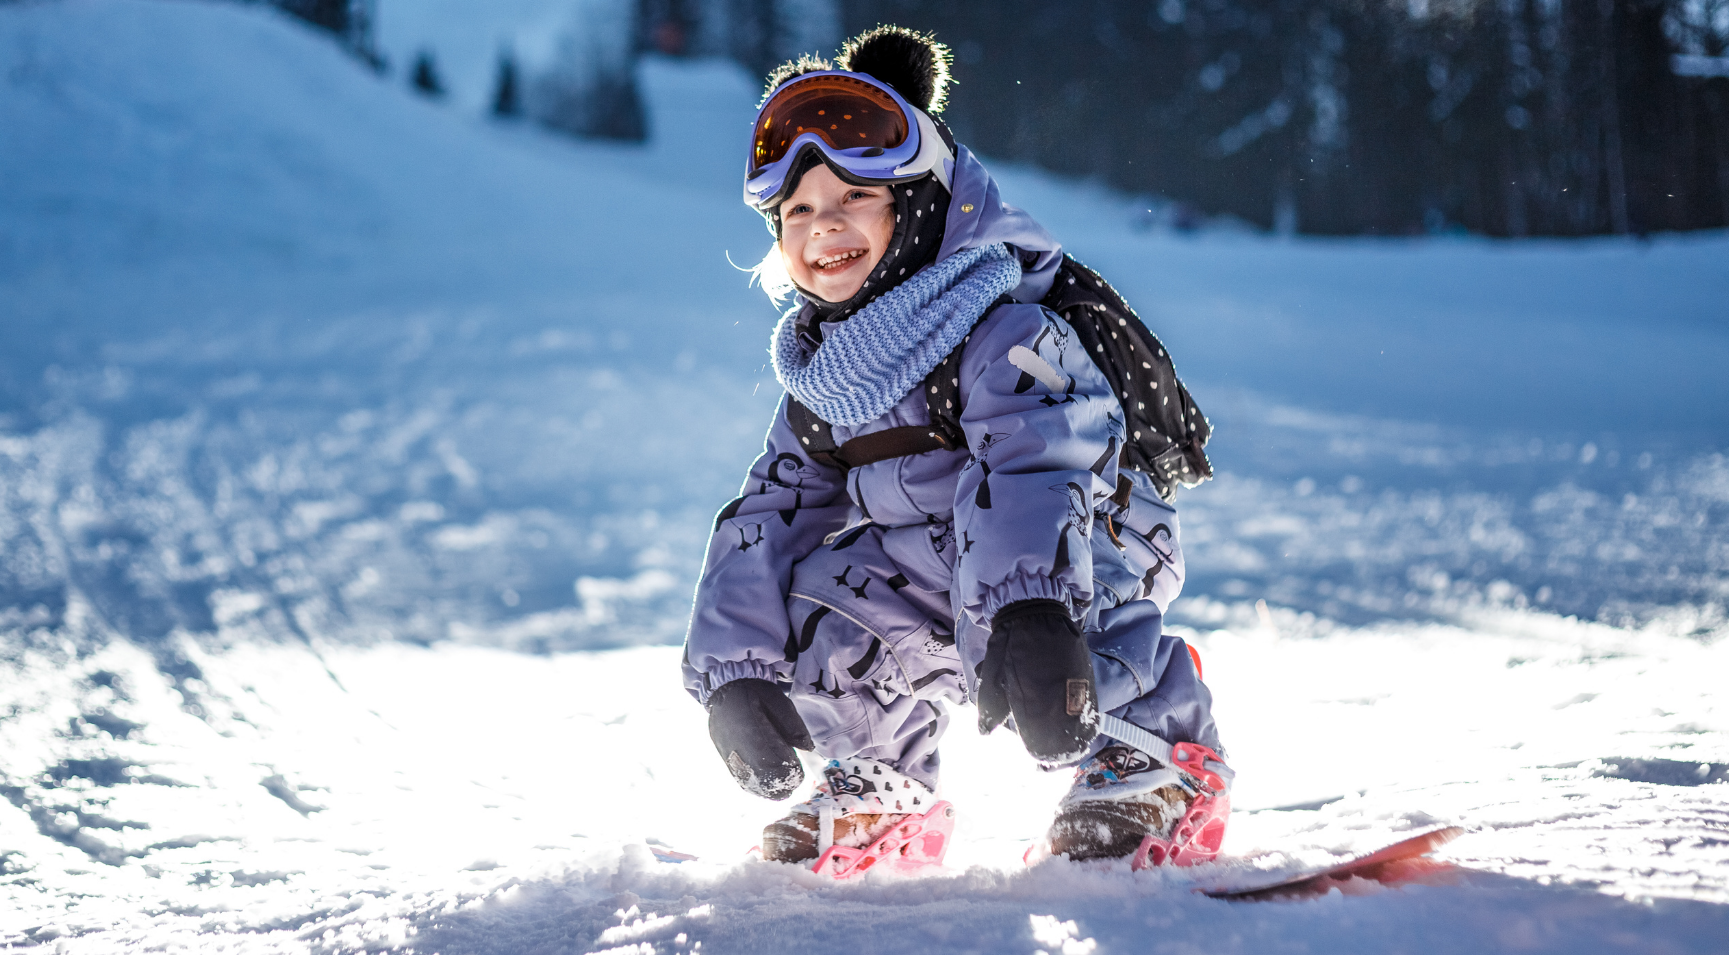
806	63
913	63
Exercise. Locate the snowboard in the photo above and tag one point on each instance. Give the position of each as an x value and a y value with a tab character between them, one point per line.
665	853
1403	861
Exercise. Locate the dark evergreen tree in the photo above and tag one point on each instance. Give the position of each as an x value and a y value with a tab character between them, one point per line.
757	33
349	20
589	89
424	75
1506	117
506	97
668	26
333	15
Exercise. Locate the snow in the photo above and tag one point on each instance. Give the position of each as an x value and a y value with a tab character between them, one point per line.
357	452
472	799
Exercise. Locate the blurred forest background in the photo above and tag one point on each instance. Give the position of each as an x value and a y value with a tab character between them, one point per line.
1499	117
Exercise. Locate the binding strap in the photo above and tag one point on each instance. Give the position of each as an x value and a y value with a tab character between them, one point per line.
1193	758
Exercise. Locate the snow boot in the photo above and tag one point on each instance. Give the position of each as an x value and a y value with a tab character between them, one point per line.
863	813
1125	804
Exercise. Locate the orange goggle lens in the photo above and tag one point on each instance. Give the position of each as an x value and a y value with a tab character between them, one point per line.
846	113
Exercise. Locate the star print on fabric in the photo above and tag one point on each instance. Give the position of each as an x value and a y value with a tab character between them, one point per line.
822	688
858	592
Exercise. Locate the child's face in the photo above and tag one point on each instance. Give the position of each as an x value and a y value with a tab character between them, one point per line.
833	233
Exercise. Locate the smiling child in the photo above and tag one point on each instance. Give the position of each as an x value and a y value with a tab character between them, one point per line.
942	513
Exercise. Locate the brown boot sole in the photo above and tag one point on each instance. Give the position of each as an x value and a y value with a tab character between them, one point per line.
1113	830
793	838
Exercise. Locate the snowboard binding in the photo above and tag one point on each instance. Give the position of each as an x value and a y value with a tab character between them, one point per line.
1132	774
863	815
1199	834
915	843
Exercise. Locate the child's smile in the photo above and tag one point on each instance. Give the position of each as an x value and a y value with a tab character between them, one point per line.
839	260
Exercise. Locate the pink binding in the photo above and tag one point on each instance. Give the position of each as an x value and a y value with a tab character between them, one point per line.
1201	832
915	843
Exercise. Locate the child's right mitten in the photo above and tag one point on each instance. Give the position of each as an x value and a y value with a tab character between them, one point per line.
1037	668
755	729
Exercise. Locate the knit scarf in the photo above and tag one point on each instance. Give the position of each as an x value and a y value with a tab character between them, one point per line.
869	362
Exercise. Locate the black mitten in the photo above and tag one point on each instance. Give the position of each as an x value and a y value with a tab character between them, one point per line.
755	728
1037	668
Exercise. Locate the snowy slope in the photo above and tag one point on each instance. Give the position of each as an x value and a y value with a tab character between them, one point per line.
393	341
301	370
352	309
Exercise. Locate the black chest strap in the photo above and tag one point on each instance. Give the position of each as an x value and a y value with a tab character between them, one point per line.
942	390
814	434
892	443
817	438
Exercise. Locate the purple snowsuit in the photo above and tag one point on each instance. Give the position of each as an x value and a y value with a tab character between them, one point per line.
870	593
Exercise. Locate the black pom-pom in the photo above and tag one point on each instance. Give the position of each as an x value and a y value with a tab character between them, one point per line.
913	63
791	68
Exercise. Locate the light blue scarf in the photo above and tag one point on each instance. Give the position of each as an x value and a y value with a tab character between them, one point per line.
868	363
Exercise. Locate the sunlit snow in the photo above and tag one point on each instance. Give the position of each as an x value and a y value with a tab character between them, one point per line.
357	454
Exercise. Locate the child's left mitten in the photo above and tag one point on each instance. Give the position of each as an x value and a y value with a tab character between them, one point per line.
755	729
1037	668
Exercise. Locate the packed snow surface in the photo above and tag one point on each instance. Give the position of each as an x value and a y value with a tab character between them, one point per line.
357	454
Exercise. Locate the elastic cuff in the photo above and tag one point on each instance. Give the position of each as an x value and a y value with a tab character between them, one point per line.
1028	608
1028	587
729	670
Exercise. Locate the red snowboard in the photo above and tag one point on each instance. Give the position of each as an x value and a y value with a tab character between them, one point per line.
1402	861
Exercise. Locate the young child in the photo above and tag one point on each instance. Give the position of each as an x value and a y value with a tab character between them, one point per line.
857	585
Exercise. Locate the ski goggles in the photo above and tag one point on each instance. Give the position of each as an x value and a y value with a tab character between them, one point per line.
862	127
